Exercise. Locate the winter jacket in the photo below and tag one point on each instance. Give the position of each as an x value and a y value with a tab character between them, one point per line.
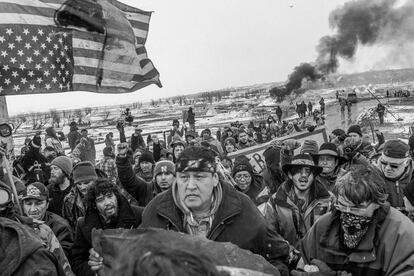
137	141
26	254
51	140
56	198
328	180
397	188
128	217
237	220
30	158
387	249
61	229
73	206
290	222
73	137
249	143
143	191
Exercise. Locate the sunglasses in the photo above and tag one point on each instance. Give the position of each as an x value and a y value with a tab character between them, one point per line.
392	165
354	210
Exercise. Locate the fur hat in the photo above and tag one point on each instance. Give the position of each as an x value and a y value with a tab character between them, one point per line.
64	163
84	171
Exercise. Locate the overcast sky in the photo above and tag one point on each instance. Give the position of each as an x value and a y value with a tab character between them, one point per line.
207	45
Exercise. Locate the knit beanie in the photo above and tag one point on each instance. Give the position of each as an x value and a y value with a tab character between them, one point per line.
340	133
395	149
242	163
166	166
64	163
309	147
37	141
355	129
146	156
84	172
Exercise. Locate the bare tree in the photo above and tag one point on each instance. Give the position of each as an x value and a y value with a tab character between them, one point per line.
78	114
18	121
87	110
55	115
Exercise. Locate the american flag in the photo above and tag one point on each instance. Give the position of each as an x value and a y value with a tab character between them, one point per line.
38	55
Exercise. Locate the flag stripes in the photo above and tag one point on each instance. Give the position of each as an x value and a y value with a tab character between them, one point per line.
123	70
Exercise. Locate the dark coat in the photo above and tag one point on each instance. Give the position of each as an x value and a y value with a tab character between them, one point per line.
237	221
32	156
26	254
129	217
387	249
143	191
272	180
73	137
61	229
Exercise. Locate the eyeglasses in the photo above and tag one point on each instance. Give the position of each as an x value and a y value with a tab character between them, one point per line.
354	210
392	165
242	176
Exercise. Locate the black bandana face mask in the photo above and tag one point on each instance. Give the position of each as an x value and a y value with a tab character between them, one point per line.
354	227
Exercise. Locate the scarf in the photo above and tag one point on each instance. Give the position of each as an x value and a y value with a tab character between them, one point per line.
354	228
198	226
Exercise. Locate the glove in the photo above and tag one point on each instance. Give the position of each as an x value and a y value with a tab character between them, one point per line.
324	270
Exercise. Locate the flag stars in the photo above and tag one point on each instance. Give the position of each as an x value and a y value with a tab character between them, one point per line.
51	53
54	80
1	89
38	66
48	39
7	81
13	60
32	87
40	32
4	54
47	86
15	74
2	39
23	80
45	59
34	38
65	35
46	73
62	53
6	67
61	86
55	46
43	46
60	40
16	87
62	66
18	38
66	47
9	31
39	80
27	46
22	67
26	31
20	53
11	46
59	73
67	60
36	53
63	79
58	59
66	72
52	66
29	60
30	74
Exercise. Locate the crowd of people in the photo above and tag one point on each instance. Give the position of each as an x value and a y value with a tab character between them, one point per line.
343	207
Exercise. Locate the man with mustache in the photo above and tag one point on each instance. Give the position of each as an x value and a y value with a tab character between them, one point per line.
106	208
35	201
299	201
362	235
198	203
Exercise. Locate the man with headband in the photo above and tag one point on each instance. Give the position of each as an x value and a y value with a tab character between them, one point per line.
199	204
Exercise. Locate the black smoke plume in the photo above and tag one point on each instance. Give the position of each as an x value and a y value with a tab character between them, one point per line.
365	22
359	22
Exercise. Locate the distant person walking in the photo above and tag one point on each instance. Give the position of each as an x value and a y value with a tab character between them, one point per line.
279	113
191	118
322	104
310	108
381	111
